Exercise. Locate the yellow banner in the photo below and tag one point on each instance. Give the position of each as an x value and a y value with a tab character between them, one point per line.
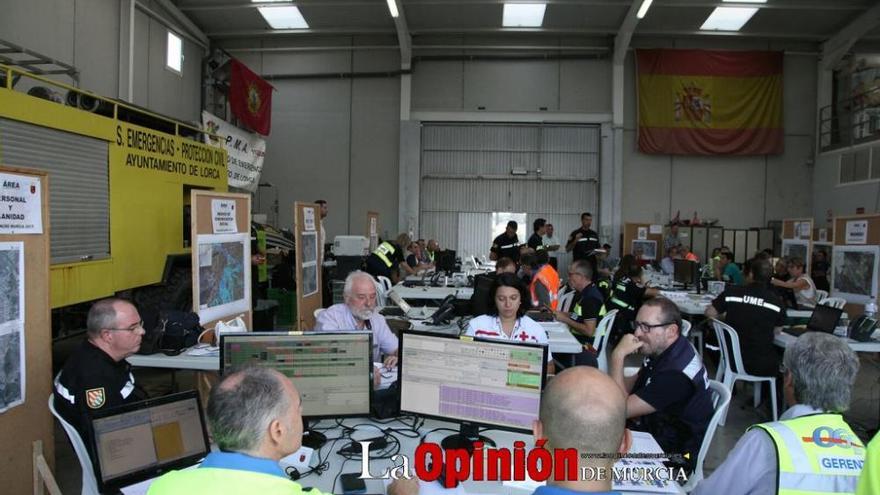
710	102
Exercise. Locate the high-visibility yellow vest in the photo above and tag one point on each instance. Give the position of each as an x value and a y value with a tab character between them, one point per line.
431	256
384	251
869	482
818	454
217	481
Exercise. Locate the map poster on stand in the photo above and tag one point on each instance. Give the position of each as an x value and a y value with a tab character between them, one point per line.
20	200
223	218
12	355
309	262
223	283
309	218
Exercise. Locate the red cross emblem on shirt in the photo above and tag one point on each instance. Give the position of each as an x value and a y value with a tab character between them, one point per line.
522	336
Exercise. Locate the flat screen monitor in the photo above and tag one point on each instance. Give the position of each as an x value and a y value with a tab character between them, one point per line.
686	272
446	261
144	439
473	382
824	319
331	371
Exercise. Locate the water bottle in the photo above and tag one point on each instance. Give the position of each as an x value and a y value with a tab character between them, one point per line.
870	309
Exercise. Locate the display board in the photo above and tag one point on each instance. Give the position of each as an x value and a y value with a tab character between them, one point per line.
797	240
306	229
221	257
642	236
855	260
372	232
25	326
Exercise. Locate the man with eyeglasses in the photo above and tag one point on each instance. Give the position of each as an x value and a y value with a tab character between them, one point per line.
669	396
97	376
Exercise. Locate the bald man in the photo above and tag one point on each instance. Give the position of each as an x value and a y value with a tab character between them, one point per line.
565	423
255	416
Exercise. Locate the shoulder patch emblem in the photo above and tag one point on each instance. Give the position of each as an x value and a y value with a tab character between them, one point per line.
95	397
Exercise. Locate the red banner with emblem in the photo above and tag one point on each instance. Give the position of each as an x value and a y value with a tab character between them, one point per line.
250	98
702	102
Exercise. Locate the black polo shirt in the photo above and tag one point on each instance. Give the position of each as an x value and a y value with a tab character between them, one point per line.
675	384
91	381
506	246
589	241
626	297
587	308
536	242
753	311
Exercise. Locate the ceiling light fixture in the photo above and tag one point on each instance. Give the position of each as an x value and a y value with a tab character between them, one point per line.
646	4
392	6
728	18
745	1
523	14
283	17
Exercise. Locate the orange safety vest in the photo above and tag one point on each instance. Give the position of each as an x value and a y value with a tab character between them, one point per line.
550	279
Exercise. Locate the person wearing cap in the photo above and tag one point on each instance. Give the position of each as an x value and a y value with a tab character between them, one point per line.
506	245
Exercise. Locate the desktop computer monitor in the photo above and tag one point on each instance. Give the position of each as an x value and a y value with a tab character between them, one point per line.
686	273
481	300
142	440
331	371
446	261
473	382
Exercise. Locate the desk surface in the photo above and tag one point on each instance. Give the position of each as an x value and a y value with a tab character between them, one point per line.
337	464
181	361
433	293
784	339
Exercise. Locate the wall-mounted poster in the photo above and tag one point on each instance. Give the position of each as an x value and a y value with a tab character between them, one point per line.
12	356
854	273
223	280
642	233
223	216
646	250
856	232
20	204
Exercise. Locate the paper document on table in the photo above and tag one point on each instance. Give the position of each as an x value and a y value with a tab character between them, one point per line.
200	350
644	443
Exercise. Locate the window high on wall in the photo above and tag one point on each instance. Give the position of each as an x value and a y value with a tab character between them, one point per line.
174	53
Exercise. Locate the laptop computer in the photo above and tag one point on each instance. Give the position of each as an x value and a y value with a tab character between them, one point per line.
143	440
823	319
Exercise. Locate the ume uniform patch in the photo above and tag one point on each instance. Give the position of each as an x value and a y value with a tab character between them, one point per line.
95	397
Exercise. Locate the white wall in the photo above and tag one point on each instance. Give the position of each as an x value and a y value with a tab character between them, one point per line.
85	34
332	138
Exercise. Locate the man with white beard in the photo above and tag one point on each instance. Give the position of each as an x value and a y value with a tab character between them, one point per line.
358	312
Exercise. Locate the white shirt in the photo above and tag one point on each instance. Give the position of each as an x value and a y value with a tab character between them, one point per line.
525	330
550	241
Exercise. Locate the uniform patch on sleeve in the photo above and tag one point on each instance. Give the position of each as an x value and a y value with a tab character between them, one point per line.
95	397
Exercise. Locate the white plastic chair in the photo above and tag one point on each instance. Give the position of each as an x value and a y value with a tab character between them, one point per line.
386	283
834	302
685	328
562	291
382	289
720	401
821	295
733	370
565	302
603	330
89	483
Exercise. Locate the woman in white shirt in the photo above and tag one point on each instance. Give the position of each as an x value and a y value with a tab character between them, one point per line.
803	286
506	319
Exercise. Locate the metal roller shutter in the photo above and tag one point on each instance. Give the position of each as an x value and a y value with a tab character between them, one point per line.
79	208
466	174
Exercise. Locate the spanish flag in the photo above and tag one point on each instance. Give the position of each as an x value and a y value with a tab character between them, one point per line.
700	102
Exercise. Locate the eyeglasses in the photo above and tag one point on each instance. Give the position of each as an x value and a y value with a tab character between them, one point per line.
647	327
131	328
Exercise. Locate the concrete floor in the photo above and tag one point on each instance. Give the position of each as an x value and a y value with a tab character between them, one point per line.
864	415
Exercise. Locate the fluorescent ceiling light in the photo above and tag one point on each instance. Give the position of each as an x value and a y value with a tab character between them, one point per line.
728	18
646	4
392	6
283	17
523	14
745	1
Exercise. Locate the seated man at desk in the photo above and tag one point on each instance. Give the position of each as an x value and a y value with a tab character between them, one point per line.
415	257
755	311
811	445
727	270
669	397
358	312
506	319
255	417
586	312
387	259
97	376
